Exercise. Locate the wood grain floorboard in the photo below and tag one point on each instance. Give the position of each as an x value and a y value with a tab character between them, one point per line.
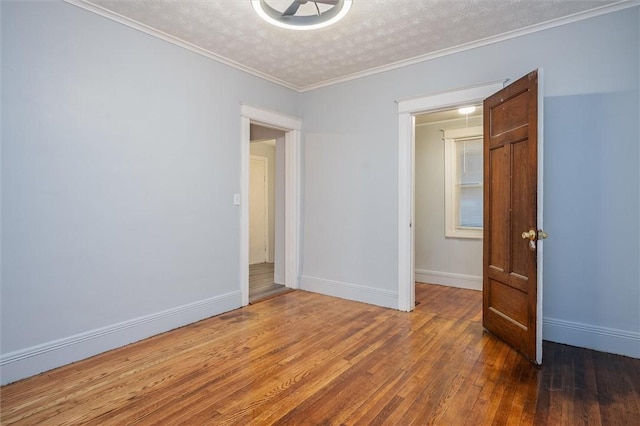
306	359
261	283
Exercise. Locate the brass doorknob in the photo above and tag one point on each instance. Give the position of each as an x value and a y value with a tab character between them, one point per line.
533	235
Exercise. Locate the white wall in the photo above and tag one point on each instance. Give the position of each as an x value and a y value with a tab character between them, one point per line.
591	69
267	151
120	158
440	260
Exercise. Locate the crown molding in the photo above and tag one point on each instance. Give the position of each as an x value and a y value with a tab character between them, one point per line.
602	10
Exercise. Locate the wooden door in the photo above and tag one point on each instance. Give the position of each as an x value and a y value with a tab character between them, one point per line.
512	287
258	210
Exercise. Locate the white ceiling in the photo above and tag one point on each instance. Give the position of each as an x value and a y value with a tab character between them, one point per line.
376	35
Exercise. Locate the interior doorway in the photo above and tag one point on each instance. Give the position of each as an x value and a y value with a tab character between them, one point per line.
448	197
266	213
407	111
513	174
287	137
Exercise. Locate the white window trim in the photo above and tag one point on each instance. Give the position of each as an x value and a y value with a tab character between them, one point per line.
451	201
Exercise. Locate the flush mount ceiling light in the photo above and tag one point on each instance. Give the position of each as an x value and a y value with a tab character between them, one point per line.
302	14
466	110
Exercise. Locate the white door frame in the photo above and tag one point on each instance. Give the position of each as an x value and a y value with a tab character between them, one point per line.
291	126
407	109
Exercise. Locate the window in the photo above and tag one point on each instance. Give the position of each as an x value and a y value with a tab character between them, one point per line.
463	182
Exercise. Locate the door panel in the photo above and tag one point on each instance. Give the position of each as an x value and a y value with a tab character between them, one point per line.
510	280
522	199
499	208
258	237
509	301
510	114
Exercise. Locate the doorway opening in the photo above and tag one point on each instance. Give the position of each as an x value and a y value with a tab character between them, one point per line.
448	197
284	132
407	112
512	248
266	213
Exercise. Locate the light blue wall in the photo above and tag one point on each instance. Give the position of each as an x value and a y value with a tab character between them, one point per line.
591	79
433	251
120	158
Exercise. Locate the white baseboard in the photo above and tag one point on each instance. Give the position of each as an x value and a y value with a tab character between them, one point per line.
471	282
621	342
37	359
358	293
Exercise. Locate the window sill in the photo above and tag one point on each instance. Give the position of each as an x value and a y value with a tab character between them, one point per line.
472	233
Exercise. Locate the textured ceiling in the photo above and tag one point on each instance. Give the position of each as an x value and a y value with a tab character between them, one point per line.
375	35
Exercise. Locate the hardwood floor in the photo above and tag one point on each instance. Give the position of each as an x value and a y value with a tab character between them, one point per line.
306	359
261	285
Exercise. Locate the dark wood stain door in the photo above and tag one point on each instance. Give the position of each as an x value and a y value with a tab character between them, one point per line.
510	271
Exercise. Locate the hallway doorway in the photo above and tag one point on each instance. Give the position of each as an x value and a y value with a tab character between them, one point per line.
266	213
259	126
